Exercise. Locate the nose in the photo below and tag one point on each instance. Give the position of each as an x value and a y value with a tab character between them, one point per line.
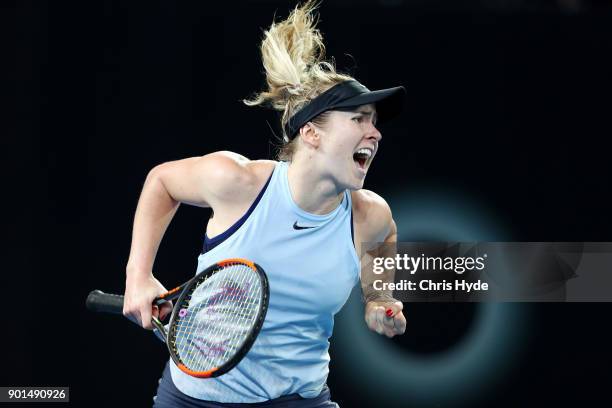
373	133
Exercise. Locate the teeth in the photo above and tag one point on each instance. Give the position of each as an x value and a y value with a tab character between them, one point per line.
365	151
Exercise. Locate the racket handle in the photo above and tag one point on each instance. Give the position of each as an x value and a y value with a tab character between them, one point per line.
98	301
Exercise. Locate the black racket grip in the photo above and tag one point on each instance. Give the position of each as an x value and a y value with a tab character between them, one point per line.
98	301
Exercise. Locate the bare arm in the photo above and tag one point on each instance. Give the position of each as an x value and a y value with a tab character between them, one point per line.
156	208
378	233
386	249
207	181
383	313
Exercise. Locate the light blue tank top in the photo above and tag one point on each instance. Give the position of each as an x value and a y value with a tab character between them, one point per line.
311	272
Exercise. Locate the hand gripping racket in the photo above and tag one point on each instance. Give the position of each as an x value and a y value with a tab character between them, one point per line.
214	322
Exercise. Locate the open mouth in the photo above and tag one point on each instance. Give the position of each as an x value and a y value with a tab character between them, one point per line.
361	157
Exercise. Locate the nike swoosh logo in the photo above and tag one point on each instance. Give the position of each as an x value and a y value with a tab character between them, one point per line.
299	227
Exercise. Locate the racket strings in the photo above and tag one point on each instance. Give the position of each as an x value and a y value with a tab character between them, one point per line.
237	306
217	317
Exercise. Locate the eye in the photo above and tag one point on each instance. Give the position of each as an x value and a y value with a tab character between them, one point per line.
357	118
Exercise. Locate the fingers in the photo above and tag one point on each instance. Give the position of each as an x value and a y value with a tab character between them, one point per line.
375	318
399	318
146	312
165	310
140	292
395	322
379	317
394	309
130	312
389	325
388	319
141	315
400	323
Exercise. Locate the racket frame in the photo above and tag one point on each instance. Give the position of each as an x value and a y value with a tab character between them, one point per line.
99	301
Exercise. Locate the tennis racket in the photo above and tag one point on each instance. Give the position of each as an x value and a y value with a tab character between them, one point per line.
214	322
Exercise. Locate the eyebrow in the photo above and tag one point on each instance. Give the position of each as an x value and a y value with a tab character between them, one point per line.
368	112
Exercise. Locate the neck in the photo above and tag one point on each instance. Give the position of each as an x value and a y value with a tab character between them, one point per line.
311	190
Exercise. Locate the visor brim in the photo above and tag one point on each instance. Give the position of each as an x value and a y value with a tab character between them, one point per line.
388	102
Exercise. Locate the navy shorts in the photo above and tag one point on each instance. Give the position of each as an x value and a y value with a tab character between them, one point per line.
168	396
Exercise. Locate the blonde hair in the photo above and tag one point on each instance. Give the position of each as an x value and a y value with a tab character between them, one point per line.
293	55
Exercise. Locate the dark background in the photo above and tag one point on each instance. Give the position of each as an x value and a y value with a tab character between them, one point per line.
508	109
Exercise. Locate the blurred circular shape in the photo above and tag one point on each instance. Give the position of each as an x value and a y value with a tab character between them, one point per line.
481	341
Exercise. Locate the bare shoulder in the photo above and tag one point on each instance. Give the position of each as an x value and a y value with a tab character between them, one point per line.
233	167
218	178
233	176
367	204
372	215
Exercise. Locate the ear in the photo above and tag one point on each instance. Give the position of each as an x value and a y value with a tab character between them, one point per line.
310	135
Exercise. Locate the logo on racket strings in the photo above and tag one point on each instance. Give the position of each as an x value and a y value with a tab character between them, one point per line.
231	291
210	348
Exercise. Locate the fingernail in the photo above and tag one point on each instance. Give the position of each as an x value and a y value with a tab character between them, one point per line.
389	312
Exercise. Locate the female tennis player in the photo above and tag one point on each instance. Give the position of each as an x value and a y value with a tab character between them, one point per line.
301	218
